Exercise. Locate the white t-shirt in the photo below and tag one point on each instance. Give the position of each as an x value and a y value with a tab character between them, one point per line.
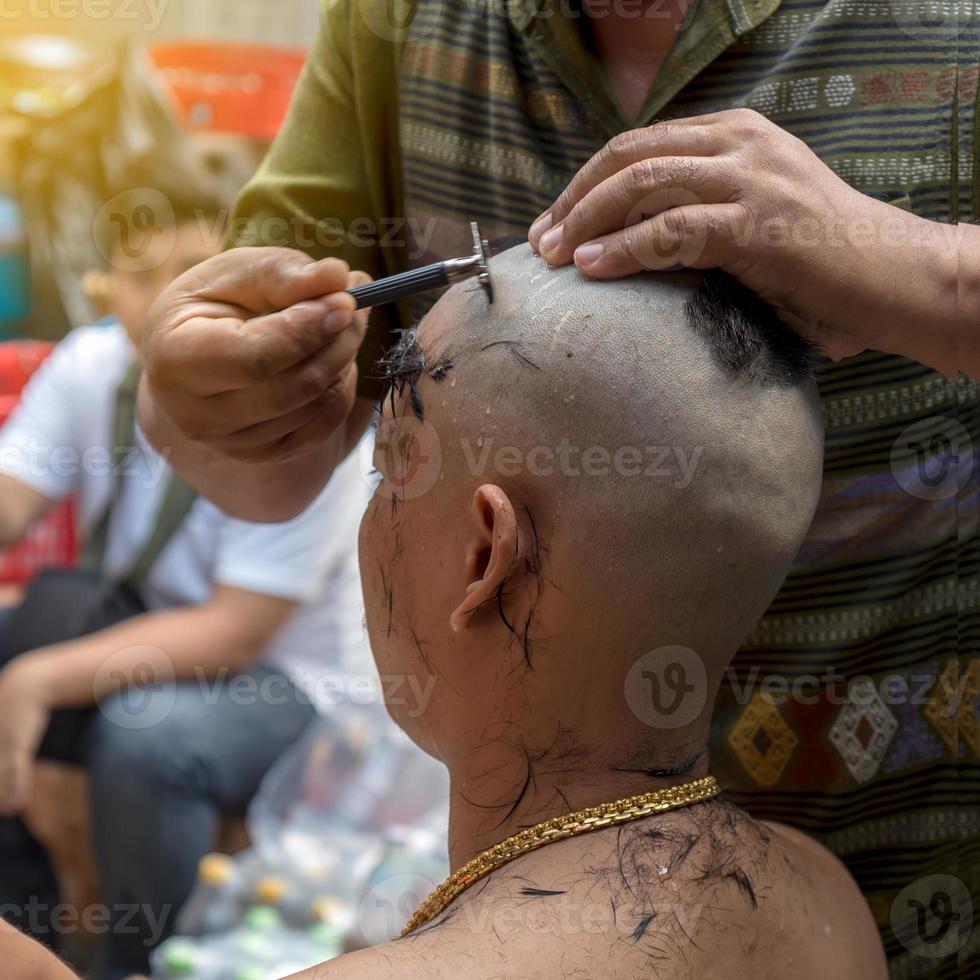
58	442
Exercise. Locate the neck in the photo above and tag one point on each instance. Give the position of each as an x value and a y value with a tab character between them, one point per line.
501	789
631	47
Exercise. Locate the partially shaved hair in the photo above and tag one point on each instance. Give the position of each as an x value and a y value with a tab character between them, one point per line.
694	397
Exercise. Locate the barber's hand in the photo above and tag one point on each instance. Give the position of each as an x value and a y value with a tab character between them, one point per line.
733	190
24	719
252	353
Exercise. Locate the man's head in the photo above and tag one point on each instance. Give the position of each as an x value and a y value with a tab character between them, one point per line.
149	237
579	476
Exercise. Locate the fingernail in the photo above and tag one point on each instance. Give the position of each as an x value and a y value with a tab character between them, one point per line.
589	253
540	226
552	239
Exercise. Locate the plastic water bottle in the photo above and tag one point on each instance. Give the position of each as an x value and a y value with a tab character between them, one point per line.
190	960
271	892
215	905
266	949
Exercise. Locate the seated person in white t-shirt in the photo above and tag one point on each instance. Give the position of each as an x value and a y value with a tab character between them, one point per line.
179	737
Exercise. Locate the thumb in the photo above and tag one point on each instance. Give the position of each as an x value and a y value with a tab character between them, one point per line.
262	280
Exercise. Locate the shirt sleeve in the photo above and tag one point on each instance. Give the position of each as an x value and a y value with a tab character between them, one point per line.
39	443
331	183
294	560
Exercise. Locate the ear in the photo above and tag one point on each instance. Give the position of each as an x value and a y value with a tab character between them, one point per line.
491	554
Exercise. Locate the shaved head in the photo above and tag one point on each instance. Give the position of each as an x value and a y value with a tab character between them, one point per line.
658	440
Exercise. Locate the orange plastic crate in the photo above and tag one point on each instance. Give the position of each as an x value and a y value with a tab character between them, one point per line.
231	88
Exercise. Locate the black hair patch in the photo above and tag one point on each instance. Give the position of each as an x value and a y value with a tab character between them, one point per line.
401	367
745	335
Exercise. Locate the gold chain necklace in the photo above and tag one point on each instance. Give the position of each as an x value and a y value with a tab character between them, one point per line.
560	828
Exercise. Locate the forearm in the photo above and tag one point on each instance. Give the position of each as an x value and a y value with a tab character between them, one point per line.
935	290
24	959
156	648
10	529
20	506
968	301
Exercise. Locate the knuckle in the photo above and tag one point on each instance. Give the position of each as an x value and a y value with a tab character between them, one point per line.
675	225
337	399
748	123
633	241
658	172
659	133
315	381
744	116
622	145
566	200
689	170
641	174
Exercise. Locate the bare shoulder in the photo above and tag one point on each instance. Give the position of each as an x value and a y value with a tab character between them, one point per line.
389	961
711	894
841	915
366	964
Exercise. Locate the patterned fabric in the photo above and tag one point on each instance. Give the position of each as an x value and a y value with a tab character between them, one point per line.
874	749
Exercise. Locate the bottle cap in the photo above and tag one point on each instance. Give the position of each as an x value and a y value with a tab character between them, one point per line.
262	918
215	869
270	890
179	959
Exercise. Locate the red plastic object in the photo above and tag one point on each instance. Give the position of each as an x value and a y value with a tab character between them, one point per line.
18	361
52	540
231	88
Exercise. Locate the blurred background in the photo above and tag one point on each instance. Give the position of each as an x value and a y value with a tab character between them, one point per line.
95	94
97	97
